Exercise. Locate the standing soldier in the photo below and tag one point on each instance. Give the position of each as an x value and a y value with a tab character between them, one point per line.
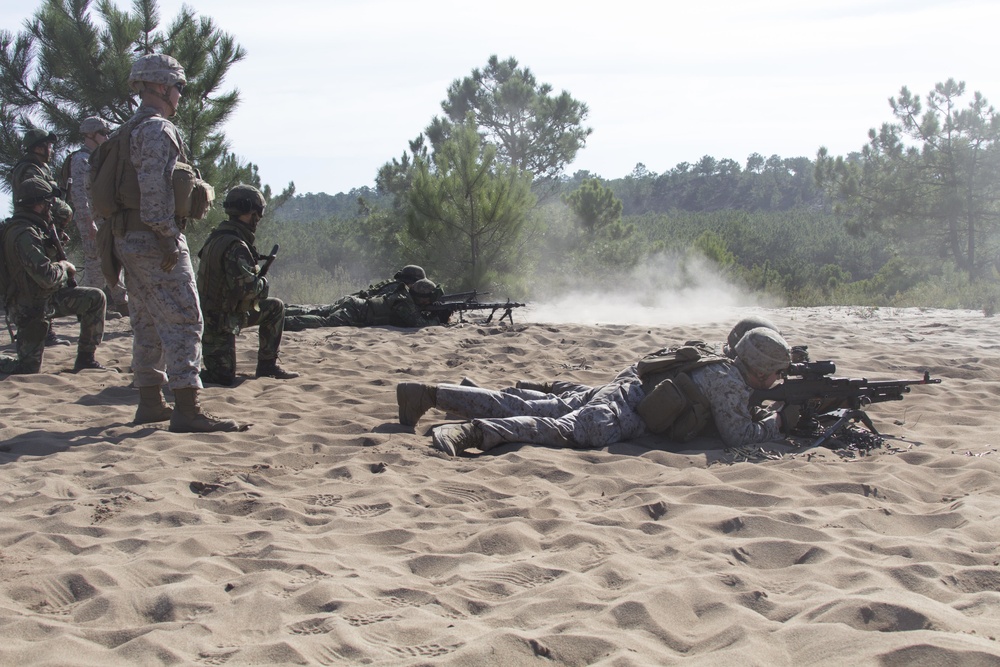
150	243
40	284
234	295
95	132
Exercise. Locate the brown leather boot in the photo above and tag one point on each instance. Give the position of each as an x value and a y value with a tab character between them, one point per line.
152	407
189	418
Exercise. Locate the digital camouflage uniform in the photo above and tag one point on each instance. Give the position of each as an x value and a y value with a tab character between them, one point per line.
394	309
591	417
79	192
39	291
234	297
166	316
729	395
582	418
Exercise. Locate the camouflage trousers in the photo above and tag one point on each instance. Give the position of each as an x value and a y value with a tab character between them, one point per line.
348	312
87	303
166	315
219	346
94	277
582	419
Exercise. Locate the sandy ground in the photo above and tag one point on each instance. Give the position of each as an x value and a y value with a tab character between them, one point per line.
329	534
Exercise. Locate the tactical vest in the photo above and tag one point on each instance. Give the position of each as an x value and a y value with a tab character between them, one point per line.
17	285
673	404
213	293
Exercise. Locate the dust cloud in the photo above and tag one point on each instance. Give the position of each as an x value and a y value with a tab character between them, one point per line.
665	290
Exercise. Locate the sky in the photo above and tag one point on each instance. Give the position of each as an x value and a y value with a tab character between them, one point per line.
333	89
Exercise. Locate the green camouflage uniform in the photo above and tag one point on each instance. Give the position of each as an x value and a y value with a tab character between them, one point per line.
394	309
233	296
32	166
39	291
384	288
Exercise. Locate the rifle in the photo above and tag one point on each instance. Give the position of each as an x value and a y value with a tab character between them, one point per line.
268	261
251	302
811	387
444	309
60	251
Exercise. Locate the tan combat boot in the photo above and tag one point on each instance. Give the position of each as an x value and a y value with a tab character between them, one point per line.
188	417
152	407
414	399
453	439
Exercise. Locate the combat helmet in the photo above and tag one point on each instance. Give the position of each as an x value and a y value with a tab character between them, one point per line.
94	124
34	190
425	288
35	136
155	68
764	351
243	199
743	326
410	274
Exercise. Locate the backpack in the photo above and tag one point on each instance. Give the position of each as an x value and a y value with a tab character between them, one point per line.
114	187
65	178
673	404
7	286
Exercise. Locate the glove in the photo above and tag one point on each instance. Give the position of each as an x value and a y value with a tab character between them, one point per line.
790	415
169	250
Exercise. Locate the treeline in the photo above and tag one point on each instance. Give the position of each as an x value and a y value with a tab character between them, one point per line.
482	199
773	235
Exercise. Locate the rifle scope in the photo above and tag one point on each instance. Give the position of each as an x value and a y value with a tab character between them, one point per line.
811	369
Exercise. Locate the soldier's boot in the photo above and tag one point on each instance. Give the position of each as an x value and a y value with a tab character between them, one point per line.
543	387
85	360
51	339
269	368
414	399
215	376
453	439
152	408
189	418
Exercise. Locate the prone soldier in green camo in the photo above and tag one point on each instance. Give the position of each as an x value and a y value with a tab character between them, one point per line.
40	284
400	308
234	293
399	283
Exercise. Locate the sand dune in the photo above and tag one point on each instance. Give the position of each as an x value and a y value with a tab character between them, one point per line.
330	534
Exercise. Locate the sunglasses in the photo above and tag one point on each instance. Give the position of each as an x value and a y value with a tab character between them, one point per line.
180	87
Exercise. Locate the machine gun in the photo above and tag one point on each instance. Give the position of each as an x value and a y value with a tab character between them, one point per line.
811	388
465	301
